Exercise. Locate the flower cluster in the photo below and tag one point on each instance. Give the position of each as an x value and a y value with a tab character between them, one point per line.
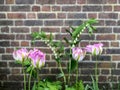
36	57
79	54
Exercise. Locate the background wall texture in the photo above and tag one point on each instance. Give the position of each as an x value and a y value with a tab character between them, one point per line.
19	18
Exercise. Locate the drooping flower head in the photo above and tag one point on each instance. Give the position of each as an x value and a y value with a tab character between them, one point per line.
95	49
78	53
20	54
37	58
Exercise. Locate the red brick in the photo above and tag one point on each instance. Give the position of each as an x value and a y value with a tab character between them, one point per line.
24	43
114	44
61	15
55	8
92	15
66	1
16	71
16	15
111	1
71	8
10	1
116	57
14	43
107	8
46	8
31	15
9	50
45	1
108	15
116	8
53	30
36	8
106	37
19	23
81	1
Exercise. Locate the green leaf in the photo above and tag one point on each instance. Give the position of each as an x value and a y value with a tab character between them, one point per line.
34	86
69	32
73	65
60	75
70	88
29	69
66	40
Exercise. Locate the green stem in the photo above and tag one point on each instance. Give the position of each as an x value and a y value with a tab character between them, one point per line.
29	83
24	76
69	65
77	71
62	73
96	73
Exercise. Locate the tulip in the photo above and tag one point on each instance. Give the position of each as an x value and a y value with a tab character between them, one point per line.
95	49
78	54
37	58
20	54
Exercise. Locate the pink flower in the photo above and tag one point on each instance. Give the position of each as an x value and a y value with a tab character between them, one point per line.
20	54
95	49
37	58
78	53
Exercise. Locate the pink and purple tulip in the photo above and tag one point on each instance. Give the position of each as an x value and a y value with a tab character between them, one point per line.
37	58
78	53
20	54
95	49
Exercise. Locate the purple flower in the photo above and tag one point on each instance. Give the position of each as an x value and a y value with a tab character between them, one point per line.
20	54
95	49
78	53
37	58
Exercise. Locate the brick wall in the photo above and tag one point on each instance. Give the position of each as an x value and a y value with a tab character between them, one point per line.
18	18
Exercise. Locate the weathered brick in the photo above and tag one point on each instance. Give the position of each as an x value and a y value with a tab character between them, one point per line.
113	51
24	43
21	8
116	30
2	15
110	23
3	64
4	43
116	72
118	66
56	8
92	15
3	77
35	8
71	8
96	1
118	37
111	1
1	1
116	58
14	64
103	30
106	65
87	72
12	85
46	8
102	58
5	29
77	15
4	8
16	15
45	2
20	37
108	15
47	29
5	71
107	8
81	1
2	50
7	57
31	15
106	37
20	30
19	23
9	50
14	43
7	36
53	23
66	1
114	44
24	1
15	77
105	72
42	44
116	8
33	22
16	71
6	22
61	15
92	8
10	1
72	22
46	15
